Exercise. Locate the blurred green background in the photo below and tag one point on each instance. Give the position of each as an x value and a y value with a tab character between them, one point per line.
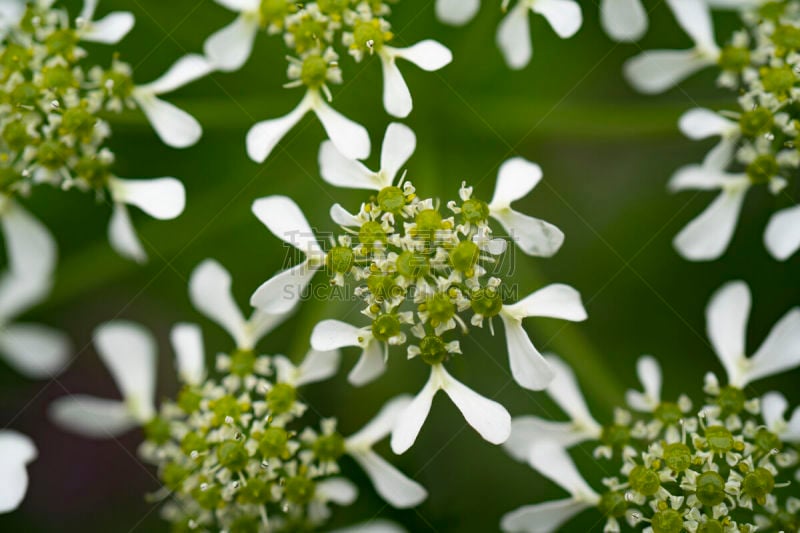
606	152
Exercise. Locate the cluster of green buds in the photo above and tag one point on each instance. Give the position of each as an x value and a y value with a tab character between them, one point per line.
731	465
758	138
424	273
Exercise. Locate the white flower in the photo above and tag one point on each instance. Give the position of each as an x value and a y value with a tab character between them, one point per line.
773	408
373	526
316	366
528	366
350	138
34	350
655	71
16	452
161	198
649	372
393	486
285	220
487	417
515	179
175	127
553	462
782	237
700	123
187	343
210	292
457	12
726	317
399	144
108	30
229	48
528	430
129	352
513	34
623	20
11	12
335	334
428	55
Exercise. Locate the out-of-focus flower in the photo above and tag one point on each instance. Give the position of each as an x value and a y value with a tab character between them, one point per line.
16	452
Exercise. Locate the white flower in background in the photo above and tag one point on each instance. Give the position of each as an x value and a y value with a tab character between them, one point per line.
700	123
513	34
649	372
286	221
174	126
335	334
129	352
11	12
373	526
16	452
399	144
34	350
726	317
553	462
161	198
655	71
392	485
190	359
773	409
457	12
487	417
229	48
108	30
317	366
782	237
623	20
528	366
528	430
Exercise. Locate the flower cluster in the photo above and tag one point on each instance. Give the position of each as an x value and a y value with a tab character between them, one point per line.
423	277
52	129
232	451
316	35
758	139
729	466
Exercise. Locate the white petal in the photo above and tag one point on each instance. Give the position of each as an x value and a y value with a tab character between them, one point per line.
393	486
13	487
567	394
780	351
396	96
350	138
341	216
456	12
381	425
370	366
700	123
259	325
792	432
564	16
161	198
34	350
185	70
122	235
281	293
334	334
411	419
210	293
338	490
92	417
649	372
553	462
10	14
174	126
533	236
695	19
229	48
399	144
341	171
15	449
19	293
726	323
87	11
515	179
528	366
706	237
110	29
527	430
555	301
187	342
264	136
698	177
514	37
782	237
428	55
373	526
129	352
773	408
655	71
487	417
30	247
624	20
543	517
722	155
318	366
239	5
286	221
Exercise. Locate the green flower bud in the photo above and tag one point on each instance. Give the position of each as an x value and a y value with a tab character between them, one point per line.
474	211
677	457
762	169
189	399
644	480
756	122
758	484
299	490
486	302
340	259
272	12
719	439
391	199
710	488
669	413
193	442
157	430
412	265
370	233
778	80
314	72
433	350
281	398
440	309
368	35
613	504
382	286
465	256
667	521
273	442
386	326
232	455
242	362
328	447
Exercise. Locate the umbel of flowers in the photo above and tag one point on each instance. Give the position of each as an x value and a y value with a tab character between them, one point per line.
425	274
52	108
729	465
233	450
758	145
